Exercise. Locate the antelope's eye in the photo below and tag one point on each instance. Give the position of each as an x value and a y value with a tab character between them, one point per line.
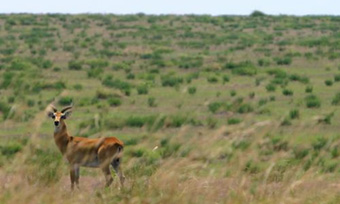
53	116
63	117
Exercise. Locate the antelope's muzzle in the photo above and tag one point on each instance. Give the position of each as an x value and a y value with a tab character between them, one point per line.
56	123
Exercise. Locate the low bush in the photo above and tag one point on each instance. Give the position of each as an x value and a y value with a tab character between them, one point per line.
142	90
65	101
75	65
213	107
329	82
192	90
312	101
233	121
114	101
294	114
287	92
152	102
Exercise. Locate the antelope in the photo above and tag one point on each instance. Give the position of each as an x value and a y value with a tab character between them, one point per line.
84	152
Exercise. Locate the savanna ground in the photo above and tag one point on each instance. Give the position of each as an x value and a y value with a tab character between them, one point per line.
227	109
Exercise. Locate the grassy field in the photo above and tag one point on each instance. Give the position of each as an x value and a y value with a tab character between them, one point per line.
227	109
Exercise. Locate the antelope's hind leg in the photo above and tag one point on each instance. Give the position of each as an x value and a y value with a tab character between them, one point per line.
107	174
116	166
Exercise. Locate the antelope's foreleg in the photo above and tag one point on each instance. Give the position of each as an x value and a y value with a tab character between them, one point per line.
74	175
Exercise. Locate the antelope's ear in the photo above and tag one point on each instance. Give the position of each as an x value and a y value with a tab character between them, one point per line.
66	114
50	114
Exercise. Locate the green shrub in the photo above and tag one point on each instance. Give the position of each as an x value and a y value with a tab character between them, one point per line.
327	119
192	90
337	77
94	72
309	89
169	80
116	83
245	108
152	102
302	79
233	93
65	101
329	82
130	76
263	62
78	87
114	101
287	92
283	61
319	143
30	102
120	66
20	64
312	101
294	114
177	121
336	99
75	65
212	79
271	87
262	101
10	149
225	78
213	107
233	121
245	71
140	121
7	78
142	89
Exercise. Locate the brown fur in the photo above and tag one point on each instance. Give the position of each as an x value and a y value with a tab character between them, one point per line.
80	151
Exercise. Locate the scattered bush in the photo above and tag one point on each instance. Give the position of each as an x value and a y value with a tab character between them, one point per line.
192	90
152	102
142	89
245	108
213	107
65	101
271	87
309	89
337	77
294	114
225	78
212	79
114	101
233	121
329	82
312	101
75	65
169	80
287	92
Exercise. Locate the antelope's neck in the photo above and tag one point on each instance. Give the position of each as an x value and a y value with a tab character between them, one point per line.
61	136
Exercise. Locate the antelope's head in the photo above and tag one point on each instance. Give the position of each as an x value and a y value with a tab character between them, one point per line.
58	116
